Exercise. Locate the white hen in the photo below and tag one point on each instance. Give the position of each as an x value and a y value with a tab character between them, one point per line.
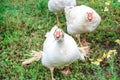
81	19
60	50
57	6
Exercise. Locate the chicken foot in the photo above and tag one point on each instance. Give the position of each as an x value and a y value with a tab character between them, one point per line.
66	71
85	43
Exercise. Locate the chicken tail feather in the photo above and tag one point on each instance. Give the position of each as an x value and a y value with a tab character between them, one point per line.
36	56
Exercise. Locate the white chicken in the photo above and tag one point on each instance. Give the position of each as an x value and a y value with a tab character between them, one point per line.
57	6
60	50
81	19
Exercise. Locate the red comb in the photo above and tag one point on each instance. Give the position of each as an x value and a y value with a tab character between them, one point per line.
57	33
90	16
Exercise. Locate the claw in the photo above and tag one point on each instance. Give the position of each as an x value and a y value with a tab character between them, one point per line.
66	71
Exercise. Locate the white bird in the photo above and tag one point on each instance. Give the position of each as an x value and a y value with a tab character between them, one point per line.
57	6
60	50
81	19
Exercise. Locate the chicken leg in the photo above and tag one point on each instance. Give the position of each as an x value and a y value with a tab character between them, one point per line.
52	76
66	71
57	18
85	43
78	37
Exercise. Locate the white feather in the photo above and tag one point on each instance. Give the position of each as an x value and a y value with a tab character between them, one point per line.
77	22
59	5
60	54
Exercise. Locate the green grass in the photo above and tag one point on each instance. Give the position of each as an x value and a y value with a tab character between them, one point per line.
23	24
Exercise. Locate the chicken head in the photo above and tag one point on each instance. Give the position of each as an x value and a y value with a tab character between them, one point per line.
58	34
90	16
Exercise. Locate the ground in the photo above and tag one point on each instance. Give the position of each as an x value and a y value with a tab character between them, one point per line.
23	24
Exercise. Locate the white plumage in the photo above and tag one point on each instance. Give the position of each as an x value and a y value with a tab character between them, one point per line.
57	6
81	19
60	52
